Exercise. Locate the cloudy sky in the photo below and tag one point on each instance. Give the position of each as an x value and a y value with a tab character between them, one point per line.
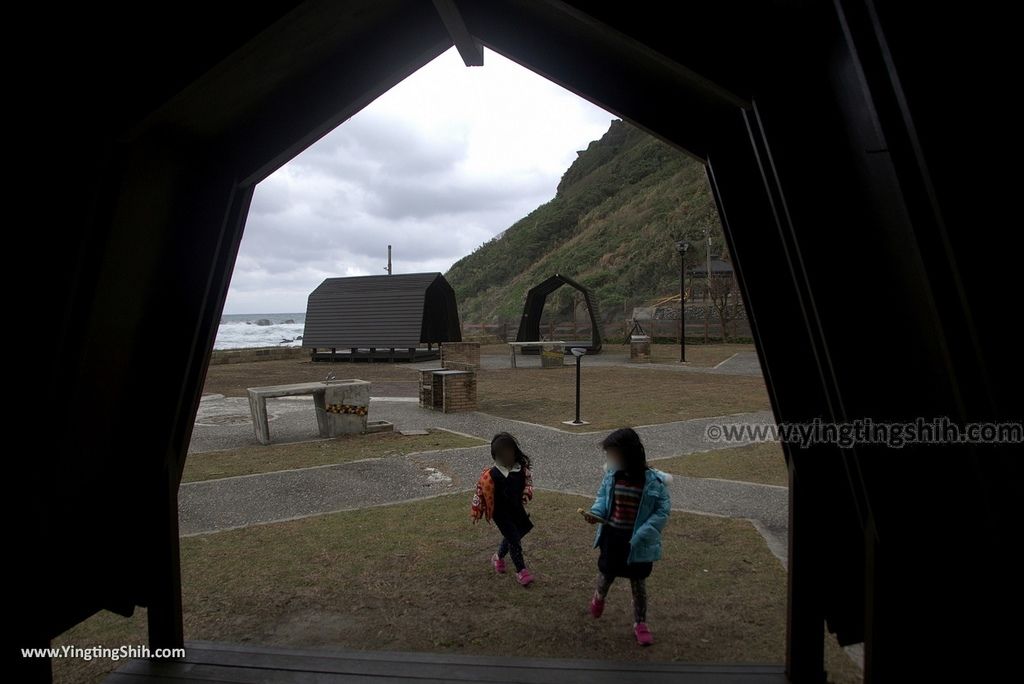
436	166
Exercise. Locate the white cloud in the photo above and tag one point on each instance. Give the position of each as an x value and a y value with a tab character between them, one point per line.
436	166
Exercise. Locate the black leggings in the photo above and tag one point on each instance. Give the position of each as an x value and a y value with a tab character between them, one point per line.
512	544
513	548
639	587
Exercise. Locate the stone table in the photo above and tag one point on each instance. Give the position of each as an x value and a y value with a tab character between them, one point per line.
341	405
552	344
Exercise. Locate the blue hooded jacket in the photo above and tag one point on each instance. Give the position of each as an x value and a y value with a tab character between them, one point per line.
651	515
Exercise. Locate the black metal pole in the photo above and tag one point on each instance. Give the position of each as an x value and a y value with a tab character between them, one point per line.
682	307
578	389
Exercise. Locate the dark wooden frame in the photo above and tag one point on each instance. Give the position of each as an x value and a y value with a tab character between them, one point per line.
839	138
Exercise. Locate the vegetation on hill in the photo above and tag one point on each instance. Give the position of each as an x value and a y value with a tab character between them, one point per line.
612	226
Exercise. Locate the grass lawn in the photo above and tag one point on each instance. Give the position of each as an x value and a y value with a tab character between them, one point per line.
232	379
615	396
762	462
612	396
212	465
416	577
700	355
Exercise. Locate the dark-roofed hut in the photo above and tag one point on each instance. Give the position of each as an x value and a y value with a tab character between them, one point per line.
533	309
720	268
386	316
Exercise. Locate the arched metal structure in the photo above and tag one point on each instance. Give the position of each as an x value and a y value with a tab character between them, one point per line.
533	309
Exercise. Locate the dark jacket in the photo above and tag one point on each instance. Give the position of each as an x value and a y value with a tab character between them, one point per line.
510	496
484	503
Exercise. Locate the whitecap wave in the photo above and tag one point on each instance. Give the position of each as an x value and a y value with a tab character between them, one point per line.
242	331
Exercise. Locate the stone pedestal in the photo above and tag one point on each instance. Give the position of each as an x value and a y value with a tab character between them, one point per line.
427	389
447	390
342	407
640	348
552	355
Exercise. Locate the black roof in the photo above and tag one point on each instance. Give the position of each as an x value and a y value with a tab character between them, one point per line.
718	267
384	311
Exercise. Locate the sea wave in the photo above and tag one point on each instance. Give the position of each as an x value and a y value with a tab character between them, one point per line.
240	331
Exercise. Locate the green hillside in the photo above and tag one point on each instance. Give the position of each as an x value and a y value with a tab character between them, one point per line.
612	226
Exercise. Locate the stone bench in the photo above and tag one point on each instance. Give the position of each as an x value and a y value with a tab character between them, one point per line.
341	405
551	352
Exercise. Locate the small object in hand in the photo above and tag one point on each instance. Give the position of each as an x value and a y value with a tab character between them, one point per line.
590	517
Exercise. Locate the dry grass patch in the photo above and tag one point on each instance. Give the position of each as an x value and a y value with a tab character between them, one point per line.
232	379
248	460
617	396
762	462
416	577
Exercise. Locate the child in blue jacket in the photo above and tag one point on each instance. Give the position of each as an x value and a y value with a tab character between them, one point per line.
634	500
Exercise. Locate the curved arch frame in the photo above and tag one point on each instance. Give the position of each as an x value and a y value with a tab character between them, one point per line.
533	309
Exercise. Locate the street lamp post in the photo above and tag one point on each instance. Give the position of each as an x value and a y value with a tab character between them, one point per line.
578	352
707	288
681	247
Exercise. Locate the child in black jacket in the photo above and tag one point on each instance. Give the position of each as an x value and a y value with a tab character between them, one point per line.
501	494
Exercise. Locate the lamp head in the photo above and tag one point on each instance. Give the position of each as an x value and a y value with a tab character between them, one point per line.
682	246
578	351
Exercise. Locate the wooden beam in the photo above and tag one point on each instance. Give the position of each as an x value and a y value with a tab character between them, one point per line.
567	52
469	47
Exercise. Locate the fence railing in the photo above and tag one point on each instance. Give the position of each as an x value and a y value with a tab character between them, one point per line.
613	332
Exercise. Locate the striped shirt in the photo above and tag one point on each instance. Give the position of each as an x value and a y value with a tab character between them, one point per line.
626	495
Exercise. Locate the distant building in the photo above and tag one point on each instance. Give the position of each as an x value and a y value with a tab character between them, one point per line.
719	268
385	316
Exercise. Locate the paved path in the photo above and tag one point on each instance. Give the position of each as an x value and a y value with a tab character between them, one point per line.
564	461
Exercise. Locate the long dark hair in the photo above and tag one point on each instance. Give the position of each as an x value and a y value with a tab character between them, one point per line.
627	443
505	439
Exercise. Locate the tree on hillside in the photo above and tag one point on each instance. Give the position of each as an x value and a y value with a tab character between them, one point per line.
724	295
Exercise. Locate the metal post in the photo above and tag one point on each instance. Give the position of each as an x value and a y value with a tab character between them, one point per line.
578	352
707	291
577	421
681	247
682	306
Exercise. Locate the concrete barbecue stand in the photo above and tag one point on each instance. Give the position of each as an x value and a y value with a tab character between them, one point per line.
341	407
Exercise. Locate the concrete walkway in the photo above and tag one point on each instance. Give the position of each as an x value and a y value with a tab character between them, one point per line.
563	461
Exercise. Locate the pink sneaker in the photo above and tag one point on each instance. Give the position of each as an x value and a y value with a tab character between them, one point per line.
524	576
596	606
498	563
643	635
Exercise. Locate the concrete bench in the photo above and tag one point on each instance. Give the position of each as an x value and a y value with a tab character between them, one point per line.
341	405
545	345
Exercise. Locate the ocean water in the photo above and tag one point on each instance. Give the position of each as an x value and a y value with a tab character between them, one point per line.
238	331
